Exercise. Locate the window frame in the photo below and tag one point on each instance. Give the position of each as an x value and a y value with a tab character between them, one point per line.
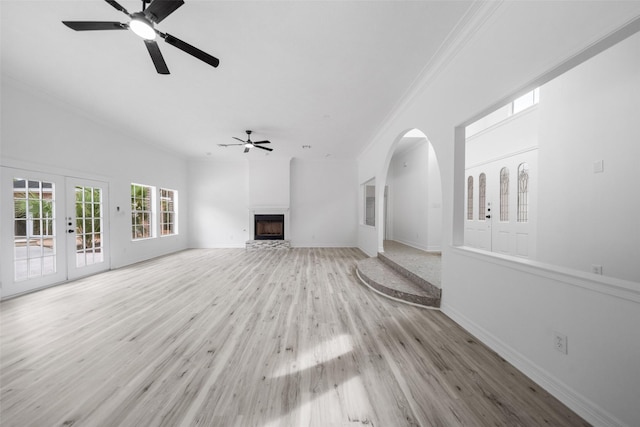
150	212
369	203
173	212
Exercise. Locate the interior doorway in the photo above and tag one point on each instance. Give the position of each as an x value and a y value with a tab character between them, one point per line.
413	194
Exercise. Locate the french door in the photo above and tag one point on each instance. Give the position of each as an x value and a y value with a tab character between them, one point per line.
55	228
86	227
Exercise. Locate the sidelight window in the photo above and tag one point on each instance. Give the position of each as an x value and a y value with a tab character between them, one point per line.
504	194
482	197
523	192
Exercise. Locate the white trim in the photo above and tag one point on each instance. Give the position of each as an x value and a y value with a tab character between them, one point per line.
502	157
584	407
611	286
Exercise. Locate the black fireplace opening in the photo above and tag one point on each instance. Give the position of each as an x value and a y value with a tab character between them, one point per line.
269	227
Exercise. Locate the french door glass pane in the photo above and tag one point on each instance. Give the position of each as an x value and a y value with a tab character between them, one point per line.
34	228
88	226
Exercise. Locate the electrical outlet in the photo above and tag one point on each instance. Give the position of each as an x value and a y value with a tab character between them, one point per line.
596	269
560	342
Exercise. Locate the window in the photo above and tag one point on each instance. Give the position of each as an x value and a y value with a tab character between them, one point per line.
370	203
470	198
34	229
525	101
503	113
504	194
141	211
523	192
482	197
168	205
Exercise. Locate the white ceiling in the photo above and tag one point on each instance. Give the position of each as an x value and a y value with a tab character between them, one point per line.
319	73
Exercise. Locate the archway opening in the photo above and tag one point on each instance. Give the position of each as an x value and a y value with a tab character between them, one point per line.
411	211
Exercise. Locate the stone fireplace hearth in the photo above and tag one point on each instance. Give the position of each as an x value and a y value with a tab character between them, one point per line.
269	227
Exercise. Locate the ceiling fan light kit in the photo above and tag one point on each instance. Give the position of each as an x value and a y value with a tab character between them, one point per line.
248	144
142	24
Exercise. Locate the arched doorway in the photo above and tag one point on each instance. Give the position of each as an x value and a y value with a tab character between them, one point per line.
412	209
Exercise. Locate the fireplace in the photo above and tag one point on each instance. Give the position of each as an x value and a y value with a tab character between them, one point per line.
269	227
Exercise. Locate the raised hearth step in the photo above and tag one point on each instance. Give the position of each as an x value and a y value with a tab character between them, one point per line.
389	281
267	244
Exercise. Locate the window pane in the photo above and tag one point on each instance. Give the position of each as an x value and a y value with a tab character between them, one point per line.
482	198
370	204
523	192
470	198
34	233
167	212
141	211
504	194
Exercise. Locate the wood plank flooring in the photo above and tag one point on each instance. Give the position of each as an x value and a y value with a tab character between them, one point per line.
228	337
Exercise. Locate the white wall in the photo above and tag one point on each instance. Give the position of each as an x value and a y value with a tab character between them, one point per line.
219	205
434	210
321	201
269	182
588	115
324	203
514	307
40	133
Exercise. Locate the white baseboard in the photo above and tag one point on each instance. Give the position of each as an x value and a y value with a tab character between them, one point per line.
587	409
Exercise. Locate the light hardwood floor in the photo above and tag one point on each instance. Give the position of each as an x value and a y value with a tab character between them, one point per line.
226	337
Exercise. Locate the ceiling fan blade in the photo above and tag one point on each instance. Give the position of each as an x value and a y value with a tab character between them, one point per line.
160	9
191	50
246	149
228	145
117	5
94	25
263	148
262	142
241	140
156	57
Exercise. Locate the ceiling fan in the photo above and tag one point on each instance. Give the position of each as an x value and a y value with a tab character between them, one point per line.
142	23
248	144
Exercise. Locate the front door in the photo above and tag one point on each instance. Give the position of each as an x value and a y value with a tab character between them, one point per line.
500	202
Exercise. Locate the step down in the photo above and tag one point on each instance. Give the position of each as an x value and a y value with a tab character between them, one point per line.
389	281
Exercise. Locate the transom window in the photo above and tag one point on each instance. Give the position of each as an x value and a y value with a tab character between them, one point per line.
142	211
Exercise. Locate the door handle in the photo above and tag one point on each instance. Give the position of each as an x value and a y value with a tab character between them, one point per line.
488	216
71	231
